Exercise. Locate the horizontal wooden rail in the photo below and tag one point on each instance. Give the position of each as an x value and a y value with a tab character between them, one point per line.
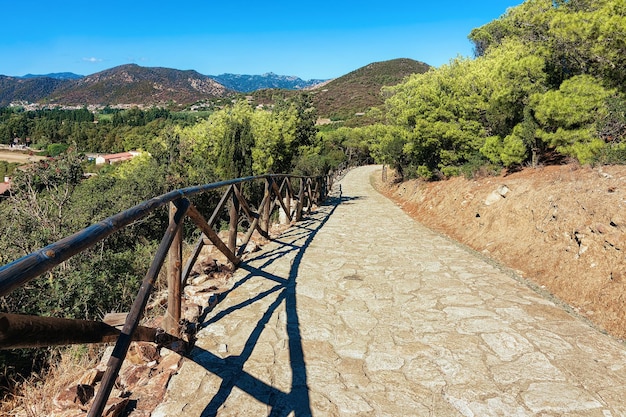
20	331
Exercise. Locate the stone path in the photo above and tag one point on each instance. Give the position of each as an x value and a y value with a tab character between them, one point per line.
360	311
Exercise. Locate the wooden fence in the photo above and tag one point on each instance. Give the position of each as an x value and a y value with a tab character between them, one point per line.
295	195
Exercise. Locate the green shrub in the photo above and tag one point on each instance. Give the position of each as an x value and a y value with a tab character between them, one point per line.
611	155
56	149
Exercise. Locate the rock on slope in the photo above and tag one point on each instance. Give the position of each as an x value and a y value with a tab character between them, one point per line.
561	227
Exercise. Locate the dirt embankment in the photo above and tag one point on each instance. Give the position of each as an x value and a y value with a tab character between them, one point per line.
562	227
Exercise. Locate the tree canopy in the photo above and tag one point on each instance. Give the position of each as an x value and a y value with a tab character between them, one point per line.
548	77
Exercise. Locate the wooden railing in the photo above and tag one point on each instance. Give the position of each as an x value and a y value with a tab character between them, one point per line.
295	195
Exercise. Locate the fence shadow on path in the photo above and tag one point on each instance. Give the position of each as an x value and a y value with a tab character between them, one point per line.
230	369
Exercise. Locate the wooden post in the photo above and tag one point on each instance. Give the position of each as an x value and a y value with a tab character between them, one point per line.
191	261
300	204
310	193
233	213
288	199
278	193
220	206
174	278
265	210
317	192
123	341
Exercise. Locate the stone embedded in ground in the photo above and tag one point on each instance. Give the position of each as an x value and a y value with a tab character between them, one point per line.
76	395
142	352
558	397
91	377
115	407
191	312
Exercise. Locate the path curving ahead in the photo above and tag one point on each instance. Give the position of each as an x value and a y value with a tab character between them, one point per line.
361	311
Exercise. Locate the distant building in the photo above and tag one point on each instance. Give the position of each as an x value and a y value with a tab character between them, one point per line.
5	187
116	157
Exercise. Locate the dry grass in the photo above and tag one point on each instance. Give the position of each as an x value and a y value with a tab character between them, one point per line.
33	396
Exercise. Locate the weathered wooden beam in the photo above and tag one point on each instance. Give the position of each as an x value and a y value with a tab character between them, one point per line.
300	203
21	331
191	261
310	195
174	278
115	319
317	191
258	217
233	217
265	209
197	218
289	196
123	341
250	214
280	200
290	186
282	185
220	206
247	237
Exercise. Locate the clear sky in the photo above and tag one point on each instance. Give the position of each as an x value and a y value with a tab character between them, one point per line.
318	39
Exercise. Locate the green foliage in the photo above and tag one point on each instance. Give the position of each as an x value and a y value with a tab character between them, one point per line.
56	149
548	77
440	112
52	201
612	127
477	167
614	154
115	130
234	147
424	172
7	169
513	149
567	116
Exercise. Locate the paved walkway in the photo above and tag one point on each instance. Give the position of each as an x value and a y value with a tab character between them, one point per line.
360	311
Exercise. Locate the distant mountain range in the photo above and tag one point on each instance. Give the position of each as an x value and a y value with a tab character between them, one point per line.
131	84
56	75
249	83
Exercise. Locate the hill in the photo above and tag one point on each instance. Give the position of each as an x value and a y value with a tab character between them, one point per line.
31	90
354	93
249	83
359	90
132	84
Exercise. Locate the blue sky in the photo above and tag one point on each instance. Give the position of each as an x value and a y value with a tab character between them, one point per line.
320	39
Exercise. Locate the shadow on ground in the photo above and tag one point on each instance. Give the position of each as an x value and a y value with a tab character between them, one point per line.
231	369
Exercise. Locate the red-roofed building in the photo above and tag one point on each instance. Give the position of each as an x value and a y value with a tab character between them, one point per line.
116	157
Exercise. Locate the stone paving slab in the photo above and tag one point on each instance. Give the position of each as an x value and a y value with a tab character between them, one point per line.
361	311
